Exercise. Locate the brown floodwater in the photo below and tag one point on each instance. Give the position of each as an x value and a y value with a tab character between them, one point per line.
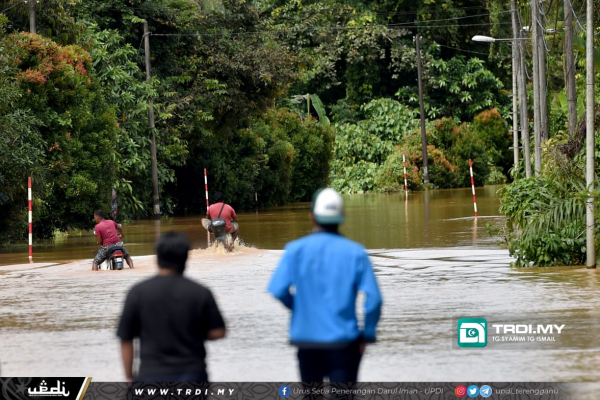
438	218
432	260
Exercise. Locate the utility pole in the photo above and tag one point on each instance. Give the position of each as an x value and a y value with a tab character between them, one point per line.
536	88
422	110
570	69
155	195
524	110
590	245
542	79
515	66
32	16
522	83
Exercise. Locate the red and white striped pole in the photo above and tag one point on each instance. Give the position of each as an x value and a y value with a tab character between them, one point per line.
405	180
473	187
207	205
30	220
206	189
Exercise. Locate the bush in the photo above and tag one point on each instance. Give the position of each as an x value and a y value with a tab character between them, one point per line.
358	177
545	221
491	128
276	152
361	149
71	124
468	146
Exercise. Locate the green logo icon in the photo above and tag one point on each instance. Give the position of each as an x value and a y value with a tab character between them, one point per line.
472	332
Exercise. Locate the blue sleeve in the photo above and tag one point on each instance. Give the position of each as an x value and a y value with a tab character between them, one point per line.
367	284
281	281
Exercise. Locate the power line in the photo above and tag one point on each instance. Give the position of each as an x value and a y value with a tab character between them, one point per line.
11	7
431	10
465	51
418	22
396	24
521	47
165	8
324	28
446	19
575	15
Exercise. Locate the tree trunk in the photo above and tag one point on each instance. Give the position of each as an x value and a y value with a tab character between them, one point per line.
577	141
537	150
543	88
570	69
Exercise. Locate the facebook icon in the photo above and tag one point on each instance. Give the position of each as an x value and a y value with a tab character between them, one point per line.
284	391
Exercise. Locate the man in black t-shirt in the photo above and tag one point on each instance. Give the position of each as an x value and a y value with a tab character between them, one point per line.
172	316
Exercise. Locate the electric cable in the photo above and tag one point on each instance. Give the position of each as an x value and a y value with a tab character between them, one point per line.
11	7
575	15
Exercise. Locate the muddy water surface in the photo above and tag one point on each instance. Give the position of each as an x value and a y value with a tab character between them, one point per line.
379	221
432	260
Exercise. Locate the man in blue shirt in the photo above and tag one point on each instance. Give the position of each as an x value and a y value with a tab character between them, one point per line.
318	279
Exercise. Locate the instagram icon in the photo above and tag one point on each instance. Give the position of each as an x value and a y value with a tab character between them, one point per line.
460	391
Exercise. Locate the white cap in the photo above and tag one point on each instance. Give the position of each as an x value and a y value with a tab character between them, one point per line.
328	207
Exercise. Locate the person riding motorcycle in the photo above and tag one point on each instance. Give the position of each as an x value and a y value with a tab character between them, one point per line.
219	209
107	236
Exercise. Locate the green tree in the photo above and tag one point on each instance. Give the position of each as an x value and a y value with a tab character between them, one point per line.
77	129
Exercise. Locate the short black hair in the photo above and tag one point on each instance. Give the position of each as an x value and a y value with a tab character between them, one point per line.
330	228
99	213
172	251
217	197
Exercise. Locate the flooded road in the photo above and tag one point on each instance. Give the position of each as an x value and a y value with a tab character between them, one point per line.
61	320
433	262
438	218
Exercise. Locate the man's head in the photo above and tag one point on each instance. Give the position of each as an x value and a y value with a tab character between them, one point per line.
172	251
98	216
217	197
327	209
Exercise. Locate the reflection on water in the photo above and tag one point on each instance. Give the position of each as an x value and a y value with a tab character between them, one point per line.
61	319
438	218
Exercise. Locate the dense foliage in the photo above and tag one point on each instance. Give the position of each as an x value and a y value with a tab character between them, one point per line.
546	222
230	80
368	154
546	215
71	121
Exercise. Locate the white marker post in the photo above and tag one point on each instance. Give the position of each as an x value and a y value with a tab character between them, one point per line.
405	180
207	206
30	220
473	187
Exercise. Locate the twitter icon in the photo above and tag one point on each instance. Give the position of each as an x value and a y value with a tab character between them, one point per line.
485	391
473	391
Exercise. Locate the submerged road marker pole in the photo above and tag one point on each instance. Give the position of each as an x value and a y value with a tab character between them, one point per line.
207	205
206	189
405	181
30	220
473	187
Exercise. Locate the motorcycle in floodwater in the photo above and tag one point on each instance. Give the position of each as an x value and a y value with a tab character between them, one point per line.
219	229
114	261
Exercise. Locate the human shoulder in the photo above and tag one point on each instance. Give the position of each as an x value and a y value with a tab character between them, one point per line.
299	243
145	285
194	288
347	246
351	244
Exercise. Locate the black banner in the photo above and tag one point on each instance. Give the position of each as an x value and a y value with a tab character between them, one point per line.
340	391
82	389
